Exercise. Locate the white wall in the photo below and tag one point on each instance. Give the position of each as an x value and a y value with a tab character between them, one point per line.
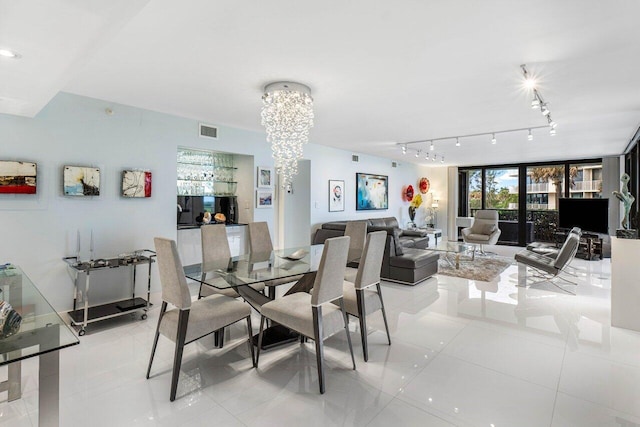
37	231
332	163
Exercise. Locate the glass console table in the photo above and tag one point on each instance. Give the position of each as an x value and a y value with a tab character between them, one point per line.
42	333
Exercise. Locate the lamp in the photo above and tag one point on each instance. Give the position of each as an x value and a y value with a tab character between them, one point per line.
538	101
287	115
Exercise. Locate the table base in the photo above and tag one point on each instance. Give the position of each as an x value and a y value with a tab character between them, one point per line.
275	336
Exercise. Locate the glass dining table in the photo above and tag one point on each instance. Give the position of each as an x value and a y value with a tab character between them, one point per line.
276	266
40	332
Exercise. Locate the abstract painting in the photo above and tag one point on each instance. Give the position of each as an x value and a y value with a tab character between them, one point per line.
81	181
136	183
336	195
372	192
264	199
17	177
265	177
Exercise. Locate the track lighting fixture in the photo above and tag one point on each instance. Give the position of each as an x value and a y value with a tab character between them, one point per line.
427	156
457	142
552	132
432	147
530	136
493	138
404	149
418	153
545	110
433	158
442	159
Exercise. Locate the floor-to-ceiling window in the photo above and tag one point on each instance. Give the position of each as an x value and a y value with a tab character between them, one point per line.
501	194
526	196
545	185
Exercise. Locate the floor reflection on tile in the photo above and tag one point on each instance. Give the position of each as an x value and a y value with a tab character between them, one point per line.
463	353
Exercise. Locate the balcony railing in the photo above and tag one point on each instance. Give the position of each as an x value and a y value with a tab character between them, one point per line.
540	187
582	186
539	206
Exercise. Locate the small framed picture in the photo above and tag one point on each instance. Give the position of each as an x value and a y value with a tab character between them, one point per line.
265	177
136	183
81	181
264	199
336	195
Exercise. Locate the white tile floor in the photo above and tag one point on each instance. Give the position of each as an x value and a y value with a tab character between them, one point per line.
463	353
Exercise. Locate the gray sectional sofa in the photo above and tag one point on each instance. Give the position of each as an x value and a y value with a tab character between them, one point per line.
406	259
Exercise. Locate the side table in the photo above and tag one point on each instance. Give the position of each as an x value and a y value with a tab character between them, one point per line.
436	232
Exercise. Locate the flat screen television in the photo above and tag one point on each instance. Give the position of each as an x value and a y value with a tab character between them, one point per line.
372	192
588	214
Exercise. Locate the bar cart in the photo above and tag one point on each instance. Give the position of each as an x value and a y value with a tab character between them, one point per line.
81	317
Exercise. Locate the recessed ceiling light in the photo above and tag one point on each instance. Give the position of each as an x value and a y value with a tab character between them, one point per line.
6	53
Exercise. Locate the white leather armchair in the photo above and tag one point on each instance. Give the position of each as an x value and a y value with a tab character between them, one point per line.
484	230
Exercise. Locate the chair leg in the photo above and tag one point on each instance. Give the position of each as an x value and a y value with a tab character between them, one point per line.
220	334
384	312
155	340
260	339
363	323
250	341
346	329
181	335
318	334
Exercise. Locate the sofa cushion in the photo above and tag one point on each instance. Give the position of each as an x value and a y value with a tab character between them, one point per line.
414	258
396	241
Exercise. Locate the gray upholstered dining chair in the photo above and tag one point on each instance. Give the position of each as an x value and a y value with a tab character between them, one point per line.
189	321
313	315
484	231
216	254
260	245
357	231
360	299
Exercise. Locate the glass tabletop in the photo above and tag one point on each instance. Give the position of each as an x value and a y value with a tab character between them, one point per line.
254	267
40	329
455	247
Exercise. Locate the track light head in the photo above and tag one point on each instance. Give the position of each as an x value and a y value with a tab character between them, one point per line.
493	139
545	111
431	147
442	159
530	136
427	156
404	149
457	142
535	104
552	132
418	153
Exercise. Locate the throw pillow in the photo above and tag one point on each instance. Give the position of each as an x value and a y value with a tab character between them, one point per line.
488	228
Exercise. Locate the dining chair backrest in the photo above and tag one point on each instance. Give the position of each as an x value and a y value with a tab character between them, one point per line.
357	231
329	279
174	284
259	237
371	261
215	247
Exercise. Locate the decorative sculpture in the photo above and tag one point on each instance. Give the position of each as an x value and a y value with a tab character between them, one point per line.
627	200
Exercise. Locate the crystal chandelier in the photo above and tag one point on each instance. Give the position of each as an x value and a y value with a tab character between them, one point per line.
287	115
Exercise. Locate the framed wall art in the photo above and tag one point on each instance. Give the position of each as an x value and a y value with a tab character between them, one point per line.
336	195
372	192
136	183
17	177
265	177
81	181
264	199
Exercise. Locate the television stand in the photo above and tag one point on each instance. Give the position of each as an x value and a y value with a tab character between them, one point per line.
590	247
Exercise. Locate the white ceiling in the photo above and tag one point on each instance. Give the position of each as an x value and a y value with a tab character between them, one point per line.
381	72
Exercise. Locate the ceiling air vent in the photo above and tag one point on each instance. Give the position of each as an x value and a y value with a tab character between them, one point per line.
355	158
394	164
208	131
